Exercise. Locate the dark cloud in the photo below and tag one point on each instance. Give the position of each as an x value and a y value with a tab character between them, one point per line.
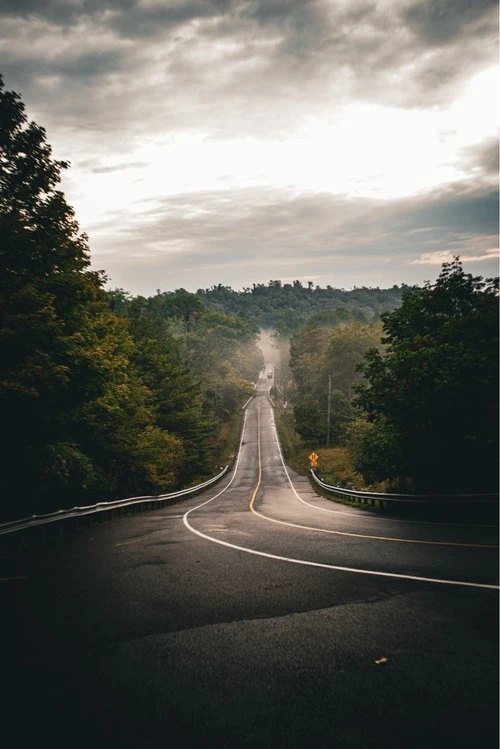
278	53
53	9
483	158
267	233
149	21
106	75
455	211
126	70
87	65
66	65
439	22
129	18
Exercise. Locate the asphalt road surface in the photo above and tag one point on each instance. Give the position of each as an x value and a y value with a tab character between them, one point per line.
257	614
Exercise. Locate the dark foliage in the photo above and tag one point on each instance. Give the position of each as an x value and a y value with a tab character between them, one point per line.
287	308
324	366
432	396
98	391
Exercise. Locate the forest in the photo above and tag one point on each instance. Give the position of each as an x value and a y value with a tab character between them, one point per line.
287	307
410	401
106	395
103	395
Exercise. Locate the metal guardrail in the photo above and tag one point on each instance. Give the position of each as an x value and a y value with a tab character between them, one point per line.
102	508
420	499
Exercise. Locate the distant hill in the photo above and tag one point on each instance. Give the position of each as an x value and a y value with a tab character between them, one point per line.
289	307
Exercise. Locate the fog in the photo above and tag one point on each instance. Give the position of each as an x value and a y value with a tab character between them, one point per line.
266	343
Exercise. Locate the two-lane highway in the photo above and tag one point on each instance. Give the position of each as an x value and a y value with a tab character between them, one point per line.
257	613
274	497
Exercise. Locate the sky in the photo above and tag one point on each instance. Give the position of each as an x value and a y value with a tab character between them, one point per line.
344	142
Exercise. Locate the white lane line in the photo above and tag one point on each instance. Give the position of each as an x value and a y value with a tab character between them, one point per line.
364	516
308	563
373	538
305	562
344	533
227	485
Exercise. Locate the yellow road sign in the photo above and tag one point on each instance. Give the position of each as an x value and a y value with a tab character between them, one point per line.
314	460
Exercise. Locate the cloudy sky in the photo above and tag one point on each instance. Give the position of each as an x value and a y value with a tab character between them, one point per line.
347	142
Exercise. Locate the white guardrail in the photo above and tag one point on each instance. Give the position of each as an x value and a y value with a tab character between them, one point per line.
102	508
382	497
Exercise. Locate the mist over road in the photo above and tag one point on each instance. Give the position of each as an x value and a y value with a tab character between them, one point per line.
256	614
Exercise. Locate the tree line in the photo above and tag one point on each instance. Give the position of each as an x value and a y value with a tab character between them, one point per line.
414	396
103	395
287	307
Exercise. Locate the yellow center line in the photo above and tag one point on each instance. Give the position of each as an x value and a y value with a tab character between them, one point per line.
260	466
345	533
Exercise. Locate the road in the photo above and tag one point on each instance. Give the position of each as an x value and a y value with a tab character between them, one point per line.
256	614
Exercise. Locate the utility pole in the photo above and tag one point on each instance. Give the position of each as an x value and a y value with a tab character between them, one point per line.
329	410
217	410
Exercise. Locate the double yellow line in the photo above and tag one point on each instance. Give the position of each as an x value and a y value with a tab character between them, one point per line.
259	480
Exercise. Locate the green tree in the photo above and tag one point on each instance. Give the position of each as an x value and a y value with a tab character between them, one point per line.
199	374
324	364
41	254
432	396
78	420
176	396
347	345
309	421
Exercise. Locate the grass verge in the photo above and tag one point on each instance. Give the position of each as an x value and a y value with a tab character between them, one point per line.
334	463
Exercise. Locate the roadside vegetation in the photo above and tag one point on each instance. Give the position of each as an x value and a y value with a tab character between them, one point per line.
335	463
288	307
103	395
407	404
106	395
431	395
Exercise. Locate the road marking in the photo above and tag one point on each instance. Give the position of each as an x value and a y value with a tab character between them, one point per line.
308	563
340	533
374	538
355	535
259	463
365	515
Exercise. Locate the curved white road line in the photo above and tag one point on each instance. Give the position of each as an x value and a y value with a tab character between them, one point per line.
364	516
343	533
305	562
